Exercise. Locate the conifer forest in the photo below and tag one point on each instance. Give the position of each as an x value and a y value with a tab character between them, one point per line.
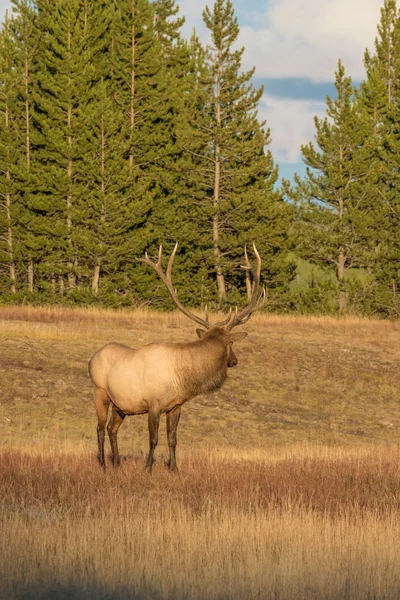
117	135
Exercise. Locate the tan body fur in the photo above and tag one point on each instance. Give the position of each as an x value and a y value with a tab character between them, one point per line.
158	375
156	379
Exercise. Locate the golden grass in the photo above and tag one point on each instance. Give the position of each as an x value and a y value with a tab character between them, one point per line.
313	380
325	528
289	483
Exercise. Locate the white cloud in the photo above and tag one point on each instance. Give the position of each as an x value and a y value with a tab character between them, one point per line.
300	38
4	5
291	123
192	10
305	38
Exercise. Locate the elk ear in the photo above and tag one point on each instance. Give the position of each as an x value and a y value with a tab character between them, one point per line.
238	337
201	333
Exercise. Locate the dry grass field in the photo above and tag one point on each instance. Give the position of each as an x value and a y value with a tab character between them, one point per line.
289	481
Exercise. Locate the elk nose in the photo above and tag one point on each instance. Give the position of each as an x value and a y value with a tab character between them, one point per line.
233	361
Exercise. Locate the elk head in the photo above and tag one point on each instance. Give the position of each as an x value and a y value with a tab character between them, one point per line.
223	329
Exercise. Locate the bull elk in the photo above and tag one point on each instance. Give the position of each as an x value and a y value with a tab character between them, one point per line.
158	378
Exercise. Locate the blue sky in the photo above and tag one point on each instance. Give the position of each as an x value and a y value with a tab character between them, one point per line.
295	46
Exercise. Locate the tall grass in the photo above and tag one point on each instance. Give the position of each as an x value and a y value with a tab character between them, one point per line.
301	527
289	482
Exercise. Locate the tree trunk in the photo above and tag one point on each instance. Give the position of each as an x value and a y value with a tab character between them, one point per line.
30	276
10	240
341	258
96	279
28	148
27	115
70	264
217	259
217	180
132	103
96	273
342	292
8	196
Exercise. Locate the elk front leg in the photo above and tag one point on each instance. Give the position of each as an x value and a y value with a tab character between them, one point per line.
172	423
101	434
154	421
101	402
115	422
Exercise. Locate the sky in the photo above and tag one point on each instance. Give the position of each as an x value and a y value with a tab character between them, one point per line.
295	46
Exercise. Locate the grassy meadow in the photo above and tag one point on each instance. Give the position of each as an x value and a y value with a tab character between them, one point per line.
289	480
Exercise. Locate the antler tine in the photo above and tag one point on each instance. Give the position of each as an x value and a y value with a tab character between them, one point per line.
262	299
256	302
258	274
247	266
171	261
246	257
159	256
166	278
156	266
225	321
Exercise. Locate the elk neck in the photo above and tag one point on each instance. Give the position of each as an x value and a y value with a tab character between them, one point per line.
201	365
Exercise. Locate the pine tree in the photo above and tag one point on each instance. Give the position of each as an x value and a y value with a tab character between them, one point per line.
379	100
119	120
62	92
334	231
167	31
102	213
148	77
388	272
111	214
22	31
8	151
384	61
231	172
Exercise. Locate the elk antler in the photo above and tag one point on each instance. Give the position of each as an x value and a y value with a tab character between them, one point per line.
256	301
166	278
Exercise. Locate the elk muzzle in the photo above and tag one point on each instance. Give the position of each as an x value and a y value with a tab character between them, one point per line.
232	358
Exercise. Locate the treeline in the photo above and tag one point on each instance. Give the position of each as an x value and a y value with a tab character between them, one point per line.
348	221
117	135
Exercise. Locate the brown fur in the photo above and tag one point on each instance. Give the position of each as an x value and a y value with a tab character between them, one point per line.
155	379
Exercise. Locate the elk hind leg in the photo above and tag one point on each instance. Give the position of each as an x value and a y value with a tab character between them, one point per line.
172	423
154	421
101	402
114	424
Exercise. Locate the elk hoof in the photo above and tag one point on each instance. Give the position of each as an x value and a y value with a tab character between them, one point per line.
172	468
101	462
